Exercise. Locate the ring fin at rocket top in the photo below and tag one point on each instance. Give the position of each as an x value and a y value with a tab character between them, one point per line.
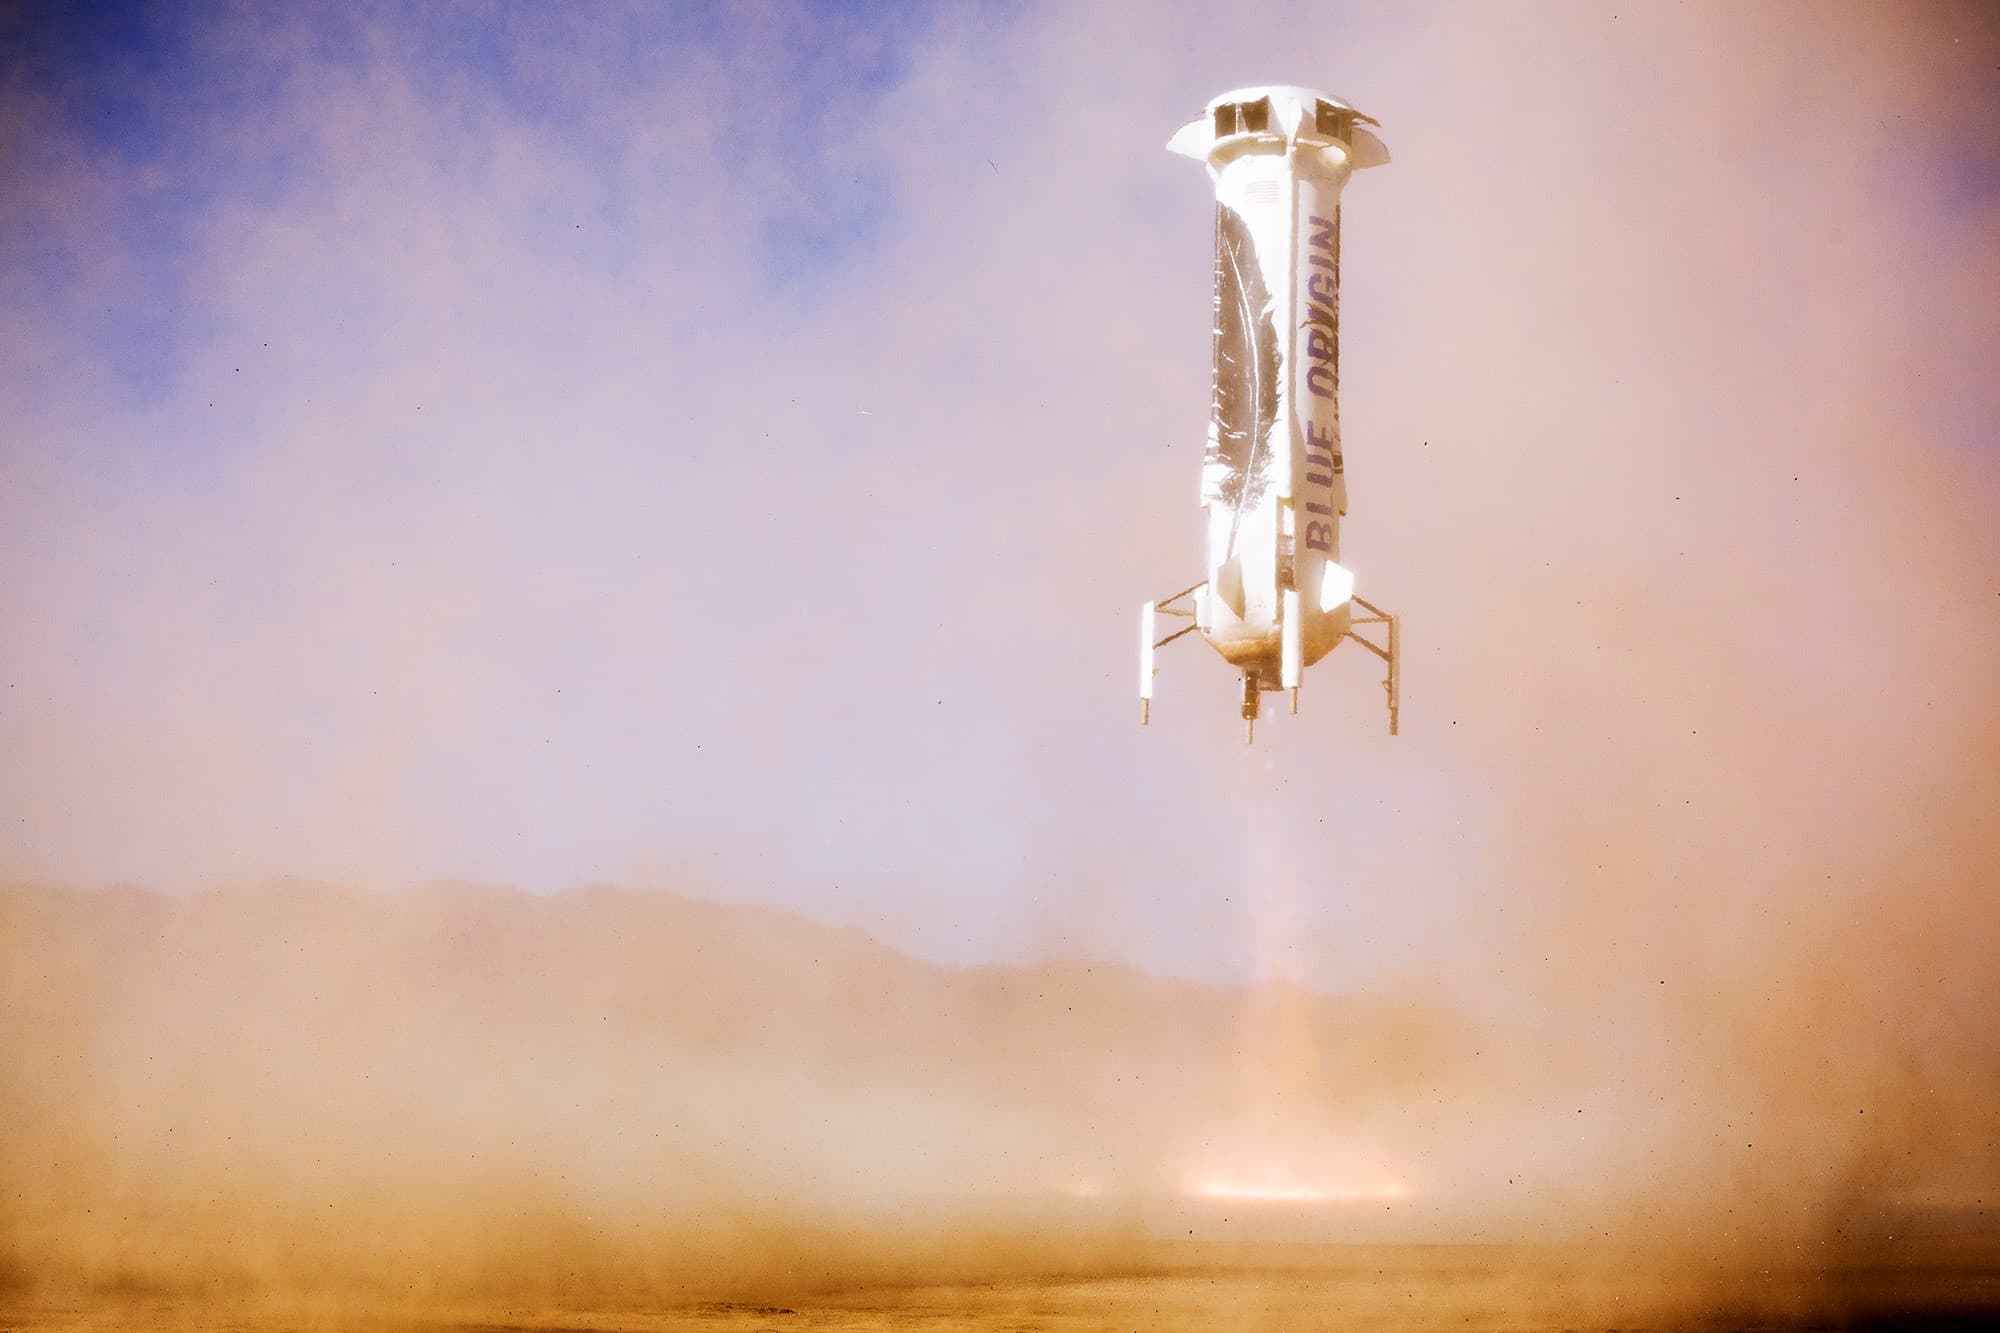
1191	139
1367	148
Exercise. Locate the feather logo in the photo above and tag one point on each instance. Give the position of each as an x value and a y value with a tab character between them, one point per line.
1245	403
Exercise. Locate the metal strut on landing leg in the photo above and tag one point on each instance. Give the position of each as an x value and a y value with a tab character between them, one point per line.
1147	644
1391	655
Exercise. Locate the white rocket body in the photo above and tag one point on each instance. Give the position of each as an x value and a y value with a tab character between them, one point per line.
1276	598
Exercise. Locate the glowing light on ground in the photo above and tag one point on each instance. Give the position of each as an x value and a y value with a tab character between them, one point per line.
1280	1189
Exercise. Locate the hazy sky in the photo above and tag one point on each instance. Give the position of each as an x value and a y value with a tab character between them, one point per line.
724	448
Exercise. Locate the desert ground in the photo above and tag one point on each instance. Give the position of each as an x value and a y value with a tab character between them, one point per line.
1935	1282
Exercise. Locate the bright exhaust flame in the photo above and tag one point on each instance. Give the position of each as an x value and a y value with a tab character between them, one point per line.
1287	1189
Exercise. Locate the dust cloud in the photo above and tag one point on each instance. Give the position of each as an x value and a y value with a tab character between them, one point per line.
459	1087
608	1098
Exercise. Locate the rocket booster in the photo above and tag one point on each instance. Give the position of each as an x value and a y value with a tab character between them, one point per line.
1275	598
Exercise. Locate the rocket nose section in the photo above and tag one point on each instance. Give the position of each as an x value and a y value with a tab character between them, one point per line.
1192	139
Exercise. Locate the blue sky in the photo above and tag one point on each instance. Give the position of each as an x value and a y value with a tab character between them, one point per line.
146	91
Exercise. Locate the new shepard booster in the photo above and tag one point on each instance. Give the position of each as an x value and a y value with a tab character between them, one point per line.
1276	598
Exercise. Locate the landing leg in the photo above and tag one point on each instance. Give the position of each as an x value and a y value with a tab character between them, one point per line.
1146	669
1391	655
1148	621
